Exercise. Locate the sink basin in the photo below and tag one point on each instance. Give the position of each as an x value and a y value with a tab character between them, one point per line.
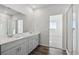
22	35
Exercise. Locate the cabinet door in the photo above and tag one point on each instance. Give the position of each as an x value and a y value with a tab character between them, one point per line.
30	44
12	51
35	43
27	47
22	50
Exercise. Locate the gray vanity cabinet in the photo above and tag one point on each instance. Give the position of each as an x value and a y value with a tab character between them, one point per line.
22	46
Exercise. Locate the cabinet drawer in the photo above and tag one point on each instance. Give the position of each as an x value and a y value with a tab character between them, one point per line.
10	45
12	51
30	44
18	50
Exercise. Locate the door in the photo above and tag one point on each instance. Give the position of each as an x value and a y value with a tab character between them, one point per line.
30	44
55	31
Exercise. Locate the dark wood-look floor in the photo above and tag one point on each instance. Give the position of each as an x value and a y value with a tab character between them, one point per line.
40	50
43	50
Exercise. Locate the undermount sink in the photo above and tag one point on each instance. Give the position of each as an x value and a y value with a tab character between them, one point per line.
21	35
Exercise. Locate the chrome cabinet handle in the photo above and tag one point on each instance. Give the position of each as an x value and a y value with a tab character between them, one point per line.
19	49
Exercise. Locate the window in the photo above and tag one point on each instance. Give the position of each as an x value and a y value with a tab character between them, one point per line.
53	25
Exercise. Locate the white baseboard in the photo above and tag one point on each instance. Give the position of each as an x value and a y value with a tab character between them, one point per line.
58	48
44	45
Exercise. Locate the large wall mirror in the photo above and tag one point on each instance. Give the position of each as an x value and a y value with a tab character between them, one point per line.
11	22
15	25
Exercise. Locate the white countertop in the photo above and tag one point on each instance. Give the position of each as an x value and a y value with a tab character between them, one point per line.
5	39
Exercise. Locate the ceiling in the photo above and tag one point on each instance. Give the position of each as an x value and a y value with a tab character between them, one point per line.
21	7
37	6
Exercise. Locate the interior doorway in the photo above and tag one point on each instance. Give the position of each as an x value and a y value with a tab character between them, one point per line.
55	31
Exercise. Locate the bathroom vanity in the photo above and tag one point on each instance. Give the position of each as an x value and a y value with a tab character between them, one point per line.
19	44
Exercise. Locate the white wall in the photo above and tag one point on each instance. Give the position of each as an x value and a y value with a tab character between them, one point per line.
41	25
42	17
29	22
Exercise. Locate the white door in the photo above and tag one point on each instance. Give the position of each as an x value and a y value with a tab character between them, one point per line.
55	31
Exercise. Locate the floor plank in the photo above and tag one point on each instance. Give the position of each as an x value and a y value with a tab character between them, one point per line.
43	50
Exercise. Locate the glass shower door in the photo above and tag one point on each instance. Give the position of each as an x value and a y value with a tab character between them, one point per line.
75	27
70	30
